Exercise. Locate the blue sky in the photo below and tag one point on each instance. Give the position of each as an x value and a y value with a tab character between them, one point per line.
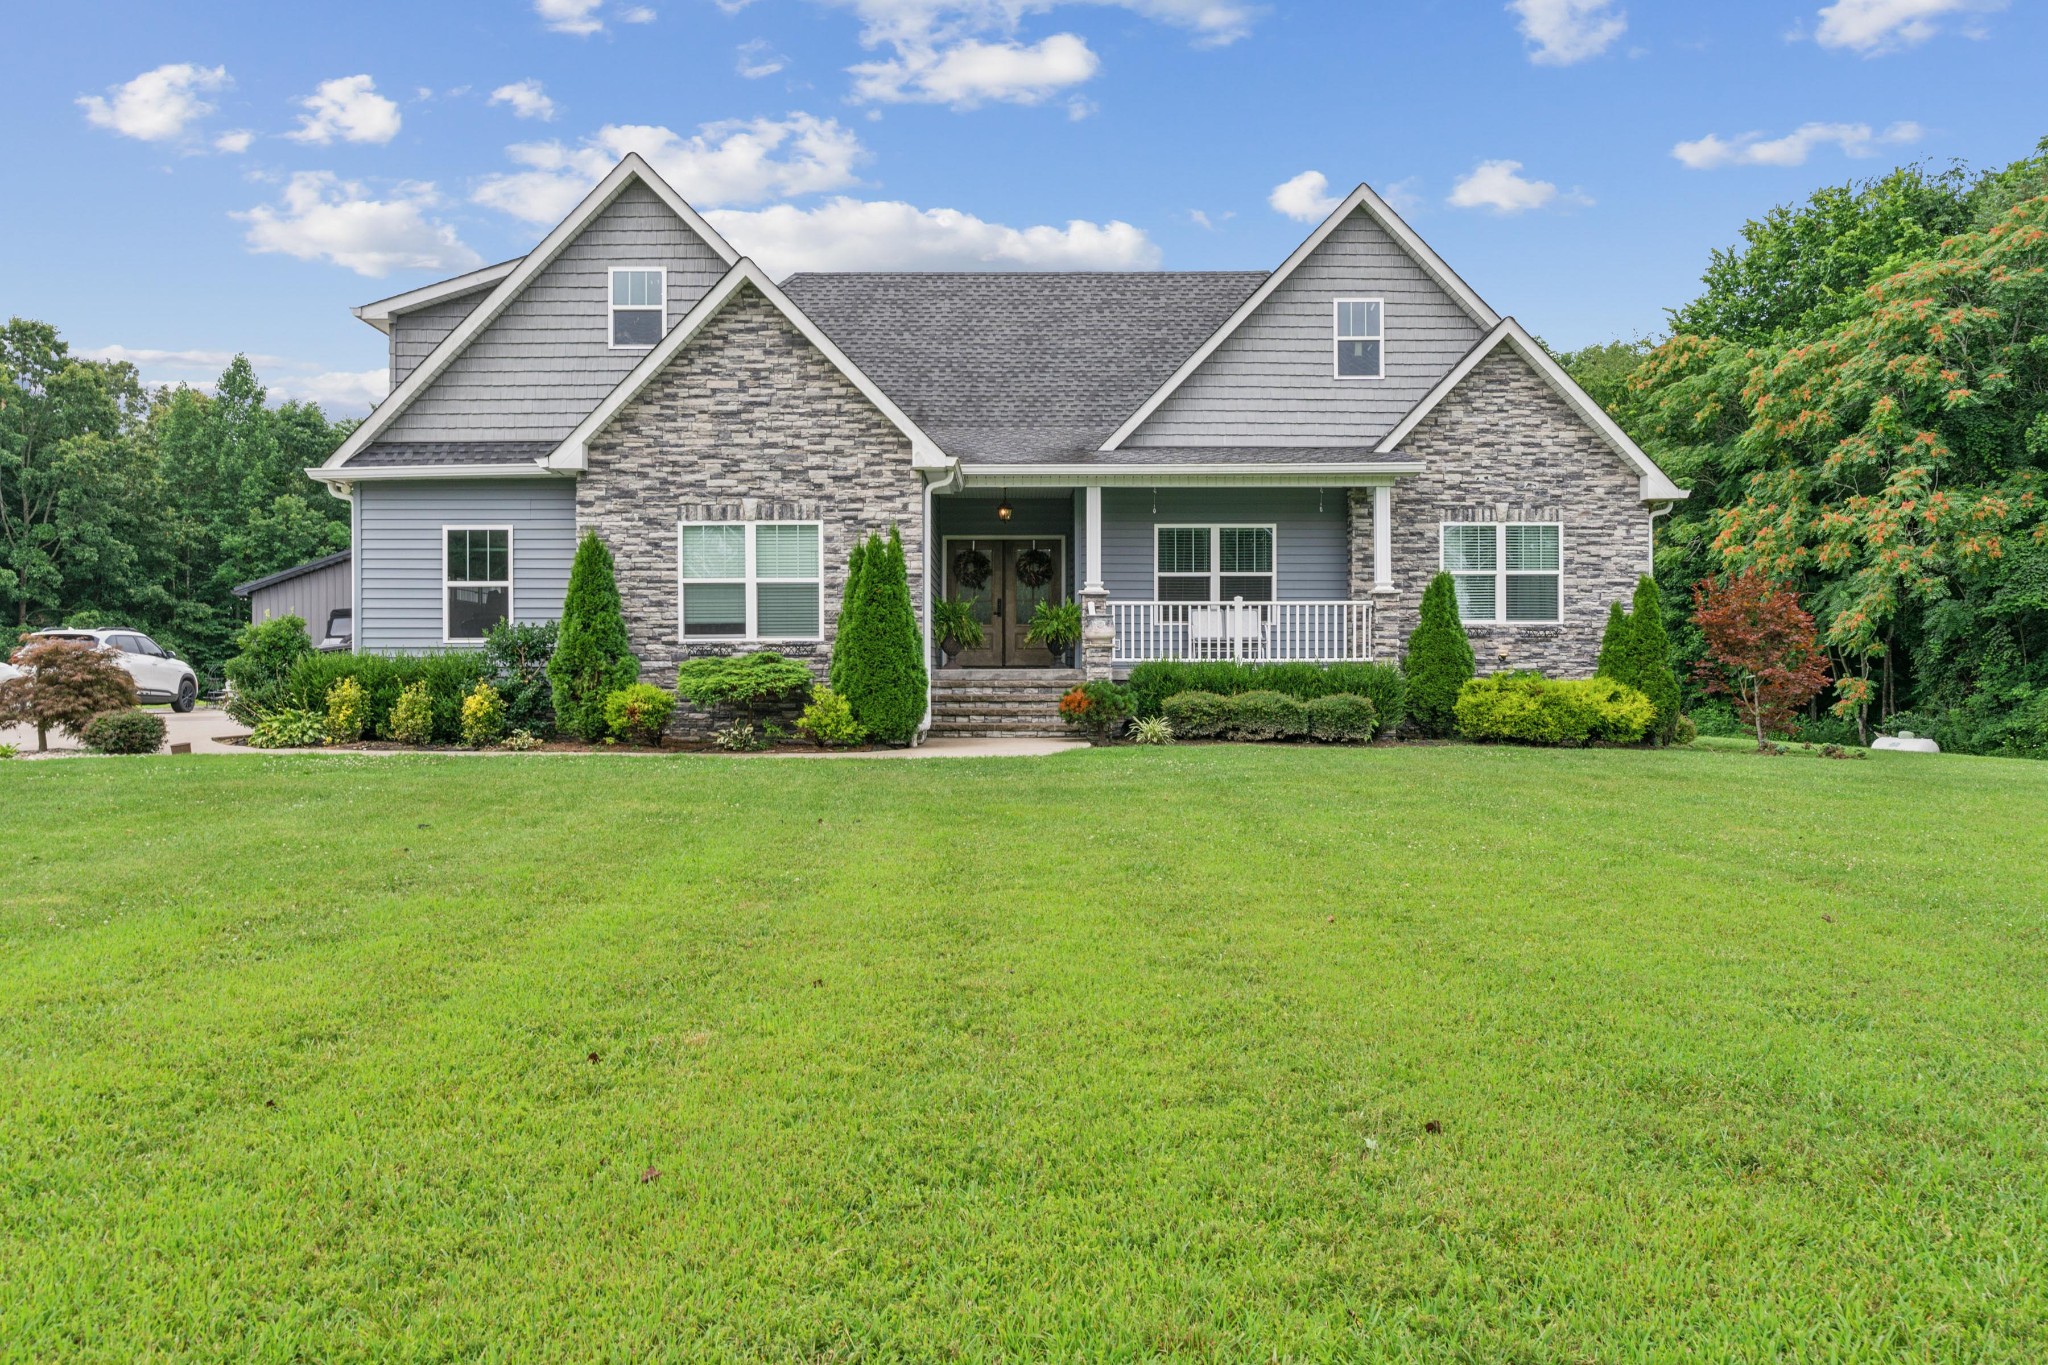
197	179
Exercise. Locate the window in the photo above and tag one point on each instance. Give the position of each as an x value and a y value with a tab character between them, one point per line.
477	581
1505	572
1214	563
752	581
1359	338
639	307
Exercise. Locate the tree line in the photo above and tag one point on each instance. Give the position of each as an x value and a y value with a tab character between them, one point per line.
1858	400
120	505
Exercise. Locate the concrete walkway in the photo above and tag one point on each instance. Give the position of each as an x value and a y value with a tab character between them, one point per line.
206	727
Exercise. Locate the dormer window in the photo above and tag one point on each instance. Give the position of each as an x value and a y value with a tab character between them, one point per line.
1359	338
639	307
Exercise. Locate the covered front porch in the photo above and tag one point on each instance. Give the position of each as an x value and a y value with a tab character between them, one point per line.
1187	569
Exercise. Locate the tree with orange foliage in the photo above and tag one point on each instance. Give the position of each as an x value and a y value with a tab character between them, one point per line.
1762	651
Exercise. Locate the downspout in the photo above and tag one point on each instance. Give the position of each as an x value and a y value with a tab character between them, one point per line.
951	480
1656	511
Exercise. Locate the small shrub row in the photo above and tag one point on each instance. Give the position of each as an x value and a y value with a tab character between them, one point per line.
1382	684
446	680
1099	707
1336	718
1528	708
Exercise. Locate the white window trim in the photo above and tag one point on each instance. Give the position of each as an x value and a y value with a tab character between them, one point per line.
1216	575
447	582
1337	338
611	309
1501	573
750	582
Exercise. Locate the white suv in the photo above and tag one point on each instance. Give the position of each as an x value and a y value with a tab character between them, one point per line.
158	676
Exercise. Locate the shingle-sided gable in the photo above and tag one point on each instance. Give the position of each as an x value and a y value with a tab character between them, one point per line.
538	367
1270	382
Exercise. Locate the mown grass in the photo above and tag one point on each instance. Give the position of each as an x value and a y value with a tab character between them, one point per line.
1220	1053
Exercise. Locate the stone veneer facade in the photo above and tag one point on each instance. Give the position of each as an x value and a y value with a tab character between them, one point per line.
749	422
1504	447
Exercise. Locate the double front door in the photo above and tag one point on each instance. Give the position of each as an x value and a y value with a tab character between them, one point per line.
1006	578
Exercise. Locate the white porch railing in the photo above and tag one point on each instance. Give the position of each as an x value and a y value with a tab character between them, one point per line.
1249	632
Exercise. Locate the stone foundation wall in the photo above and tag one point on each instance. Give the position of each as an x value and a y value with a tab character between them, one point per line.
1504	447
749	422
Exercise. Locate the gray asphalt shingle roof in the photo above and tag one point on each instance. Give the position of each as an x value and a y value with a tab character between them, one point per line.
450	453
1017	367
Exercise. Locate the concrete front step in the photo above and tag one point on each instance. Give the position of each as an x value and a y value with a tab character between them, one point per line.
994	703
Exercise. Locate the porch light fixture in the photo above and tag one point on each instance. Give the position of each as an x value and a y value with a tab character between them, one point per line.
1003	508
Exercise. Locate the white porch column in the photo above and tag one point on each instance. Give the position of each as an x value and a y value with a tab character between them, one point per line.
1383	538
1098	633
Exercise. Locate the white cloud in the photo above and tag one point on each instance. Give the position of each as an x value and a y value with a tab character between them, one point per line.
148	356
322	217
1306	198
758	59
355	390
527	98
570	16
1754	149
638	14
1872	27
1404	196
1500	187
157	105
1568	31
971	73
852	234
736	162
349	108
235	141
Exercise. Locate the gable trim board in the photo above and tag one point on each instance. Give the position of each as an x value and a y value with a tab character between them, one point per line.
632	170
1656	485
380	313
573	454
1376	208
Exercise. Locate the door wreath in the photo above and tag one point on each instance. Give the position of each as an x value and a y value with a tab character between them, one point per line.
1034	567
971	570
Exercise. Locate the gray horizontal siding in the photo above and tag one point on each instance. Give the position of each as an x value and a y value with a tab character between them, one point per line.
415	334
544	362
1311	538
399	548
1271	384
310	597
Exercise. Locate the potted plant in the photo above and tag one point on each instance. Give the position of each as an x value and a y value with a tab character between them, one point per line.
1057	627
954	622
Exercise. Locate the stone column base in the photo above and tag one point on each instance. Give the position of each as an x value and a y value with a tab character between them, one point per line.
1098	636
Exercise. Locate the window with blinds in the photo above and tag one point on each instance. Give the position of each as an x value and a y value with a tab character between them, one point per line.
1506	573
1213	563
753	581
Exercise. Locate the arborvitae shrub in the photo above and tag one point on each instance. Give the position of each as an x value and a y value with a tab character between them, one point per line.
880	659
849	613
592	658
1439	660
1612	641
1645	661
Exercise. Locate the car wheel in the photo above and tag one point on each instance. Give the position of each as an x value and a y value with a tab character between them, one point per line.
188	695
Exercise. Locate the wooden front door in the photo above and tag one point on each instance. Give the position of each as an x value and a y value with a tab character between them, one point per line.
1006	578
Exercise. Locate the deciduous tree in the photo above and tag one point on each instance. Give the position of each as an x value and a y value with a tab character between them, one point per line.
1761	649
63	685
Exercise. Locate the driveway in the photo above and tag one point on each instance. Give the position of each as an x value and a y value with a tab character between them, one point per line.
203	728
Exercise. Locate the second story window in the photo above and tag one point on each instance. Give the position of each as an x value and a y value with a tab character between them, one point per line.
1359	338
639	307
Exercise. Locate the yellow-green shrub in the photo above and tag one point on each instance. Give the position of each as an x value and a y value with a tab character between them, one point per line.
483	716
412	715
1528	708
348	711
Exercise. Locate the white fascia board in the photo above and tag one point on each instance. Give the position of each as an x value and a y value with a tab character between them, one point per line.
1377	209
525	469
1656	485
380	313
1295	473
629	171
573	454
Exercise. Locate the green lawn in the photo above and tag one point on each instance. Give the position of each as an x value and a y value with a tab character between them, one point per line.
1217	1053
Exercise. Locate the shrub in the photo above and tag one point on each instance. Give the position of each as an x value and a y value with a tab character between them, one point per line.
1685	732
63	685
1341	718
1762	651
1264	716
519	741
125	732
1152	730
844	628
1642	657
412	715
8	751
518	653
1528	708
1151	684
265	656
483	717
881	656
288	727
450	678
829	722
742	682
1197	715
740	737
1439	659
348	711
1612	641
1099	707
639	712
592	657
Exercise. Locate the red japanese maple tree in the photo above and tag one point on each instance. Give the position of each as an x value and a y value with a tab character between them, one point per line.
1762	650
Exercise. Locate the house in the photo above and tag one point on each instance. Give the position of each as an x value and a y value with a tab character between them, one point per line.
314	592
1217	464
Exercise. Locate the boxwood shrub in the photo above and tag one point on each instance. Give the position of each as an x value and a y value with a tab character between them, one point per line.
1342	718
1528	708
125	732
1196	715
1381	684
1265	715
